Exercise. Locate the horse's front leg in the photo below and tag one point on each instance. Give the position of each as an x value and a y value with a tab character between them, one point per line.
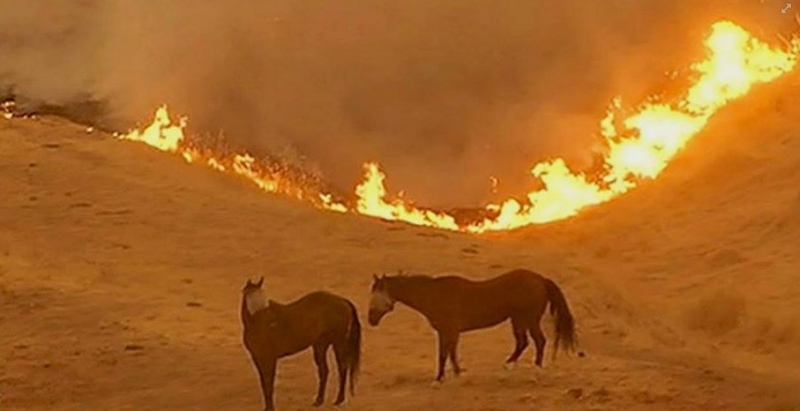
266	374
444	344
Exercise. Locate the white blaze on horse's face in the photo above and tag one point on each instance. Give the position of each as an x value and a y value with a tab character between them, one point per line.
255	301
379	305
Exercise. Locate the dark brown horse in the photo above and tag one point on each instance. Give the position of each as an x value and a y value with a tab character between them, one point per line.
454	305
318	320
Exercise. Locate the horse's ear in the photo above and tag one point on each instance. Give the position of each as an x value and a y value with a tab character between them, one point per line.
260	282
375	277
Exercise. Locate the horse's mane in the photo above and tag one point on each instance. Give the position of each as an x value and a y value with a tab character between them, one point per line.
413	276
408	276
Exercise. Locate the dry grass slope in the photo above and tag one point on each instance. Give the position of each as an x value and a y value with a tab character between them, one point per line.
120	269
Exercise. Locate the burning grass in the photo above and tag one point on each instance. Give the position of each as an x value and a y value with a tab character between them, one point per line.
640	142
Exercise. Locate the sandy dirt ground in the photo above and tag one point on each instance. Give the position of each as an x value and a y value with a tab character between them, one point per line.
120	271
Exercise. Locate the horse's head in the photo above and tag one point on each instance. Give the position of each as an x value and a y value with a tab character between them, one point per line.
253	295
381	302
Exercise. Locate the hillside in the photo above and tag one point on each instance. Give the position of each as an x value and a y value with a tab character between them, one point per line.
710	243
120	271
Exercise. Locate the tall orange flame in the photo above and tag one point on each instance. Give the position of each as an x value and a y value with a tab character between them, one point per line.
640	147
167	136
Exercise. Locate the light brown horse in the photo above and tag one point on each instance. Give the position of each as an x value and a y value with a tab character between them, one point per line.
454	305
319	320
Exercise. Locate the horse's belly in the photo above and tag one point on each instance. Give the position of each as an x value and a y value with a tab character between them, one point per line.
489	321
292	350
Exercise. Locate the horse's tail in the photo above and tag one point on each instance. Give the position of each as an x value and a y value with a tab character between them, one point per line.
353	347
565	323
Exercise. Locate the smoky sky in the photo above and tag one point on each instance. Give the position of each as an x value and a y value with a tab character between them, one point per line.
443	93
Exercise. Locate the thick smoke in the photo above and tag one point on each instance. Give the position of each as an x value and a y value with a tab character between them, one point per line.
443	93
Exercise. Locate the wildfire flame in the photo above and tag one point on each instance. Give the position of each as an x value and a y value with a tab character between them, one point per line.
167	136
493	182
7	109
640	145
372	201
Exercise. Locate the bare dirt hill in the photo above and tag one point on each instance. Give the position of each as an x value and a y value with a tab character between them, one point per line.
120	271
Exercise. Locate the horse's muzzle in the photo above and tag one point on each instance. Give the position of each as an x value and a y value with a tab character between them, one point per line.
374	318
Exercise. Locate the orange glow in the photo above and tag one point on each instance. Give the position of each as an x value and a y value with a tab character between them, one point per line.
7	109
167	136
372	202
640	145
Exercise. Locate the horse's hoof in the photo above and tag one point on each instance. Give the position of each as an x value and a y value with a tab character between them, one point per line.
436	384
317	403
509	366
338	402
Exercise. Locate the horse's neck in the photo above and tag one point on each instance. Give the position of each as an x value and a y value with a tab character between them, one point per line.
251	304
245	315
255	302
417	294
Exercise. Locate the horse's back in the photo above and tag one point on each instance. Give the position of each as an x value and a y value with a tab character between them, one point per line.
454	280
516	274
511	279
322	296
473	304
523	277
323	306
517	289
523	283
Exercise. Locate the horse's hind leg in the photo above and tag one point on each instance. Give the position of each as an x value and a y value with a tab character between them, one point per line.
445	345
454	356
539	340
521	337
340	351
320	358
